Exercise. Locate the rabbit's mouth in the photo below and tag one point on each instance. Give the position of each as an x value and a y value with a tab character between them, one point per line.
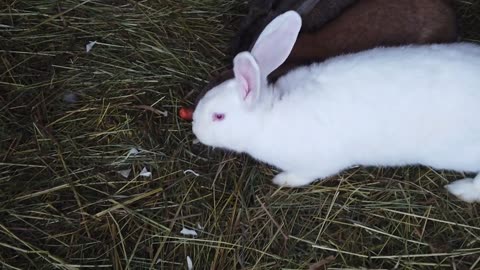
197	132
204	135
200	136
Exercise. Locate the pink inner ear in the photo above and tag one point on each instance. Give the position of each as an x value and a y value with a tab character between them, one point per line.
244	85
246	80
247	76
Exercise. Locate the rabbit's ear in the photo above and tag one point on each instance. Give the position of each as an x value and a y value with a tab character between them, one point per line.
307	6
247	74
274	44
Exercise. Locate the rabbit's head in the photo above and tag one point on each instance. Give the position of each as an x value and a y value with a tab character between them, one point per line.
227	114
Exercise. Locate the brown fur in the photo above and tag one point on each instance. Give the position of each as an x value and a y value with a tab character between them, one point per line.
315	13
372	23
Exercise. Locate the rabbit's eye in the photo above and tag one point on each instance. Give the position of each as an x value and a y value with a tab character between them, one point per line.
218	116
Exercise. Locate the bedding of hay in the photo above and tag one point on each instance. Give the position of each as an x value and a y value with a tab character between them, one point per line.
70	119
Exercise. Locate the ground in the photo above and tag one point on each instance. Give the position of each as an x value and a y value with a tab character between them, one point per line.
70	119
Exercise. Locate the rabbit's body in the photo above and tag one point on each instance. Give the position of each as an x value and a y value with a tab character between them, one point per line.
393	106
387	107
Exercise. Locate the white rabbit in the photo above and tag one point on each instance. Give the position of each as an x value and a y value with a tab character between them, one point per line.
382	107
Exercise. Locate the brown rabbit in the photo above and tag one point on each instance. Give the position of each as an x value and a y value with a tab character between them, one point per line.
315	13
372	23
362	25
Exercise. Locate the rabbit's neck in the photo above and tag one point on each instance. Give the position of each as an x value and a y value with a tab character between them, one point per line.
269	95
263	119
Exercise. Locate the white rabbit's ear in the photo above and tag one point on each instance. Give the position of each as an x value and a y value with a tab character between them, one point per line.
247	74
275	43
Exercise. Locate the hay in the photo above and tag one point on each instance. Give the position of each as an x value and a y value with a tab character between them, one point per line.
68	122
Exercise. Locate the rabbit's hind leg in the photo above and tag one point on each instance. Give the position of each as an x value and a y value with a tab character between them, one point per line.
286	179
467	189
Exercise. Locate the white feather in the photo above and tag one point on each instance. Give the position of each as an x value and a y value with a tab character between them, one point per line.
189	263
90	45
188	232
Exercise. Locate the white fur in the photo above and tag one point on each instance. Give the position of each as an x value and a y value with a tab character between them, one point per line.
382	107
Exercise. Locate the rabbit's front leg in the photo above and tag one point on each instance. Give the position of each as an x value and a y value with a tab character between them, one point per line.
287	179
467	189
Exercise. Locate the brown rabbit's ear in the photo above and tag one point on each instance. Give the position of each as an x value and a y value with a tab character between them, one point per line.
276	42
307	6
214	74
260	6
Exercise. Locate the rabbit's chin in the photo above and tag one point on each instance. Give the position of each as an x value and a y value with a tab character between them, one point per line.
202	137
206	142
206	138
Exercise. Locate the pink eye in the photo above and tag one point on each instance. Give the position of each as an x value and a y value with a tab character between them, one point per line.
218	116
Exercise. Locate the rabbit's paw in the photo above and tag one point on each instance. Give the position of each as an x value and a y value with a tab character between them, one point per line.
467	189
291	180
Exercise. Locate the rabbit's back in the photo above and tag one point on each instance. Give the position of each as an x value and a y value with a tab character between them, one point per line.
384	107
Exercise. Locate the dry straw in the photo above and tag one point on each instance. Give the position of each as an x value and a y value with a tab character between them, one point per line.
69	119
